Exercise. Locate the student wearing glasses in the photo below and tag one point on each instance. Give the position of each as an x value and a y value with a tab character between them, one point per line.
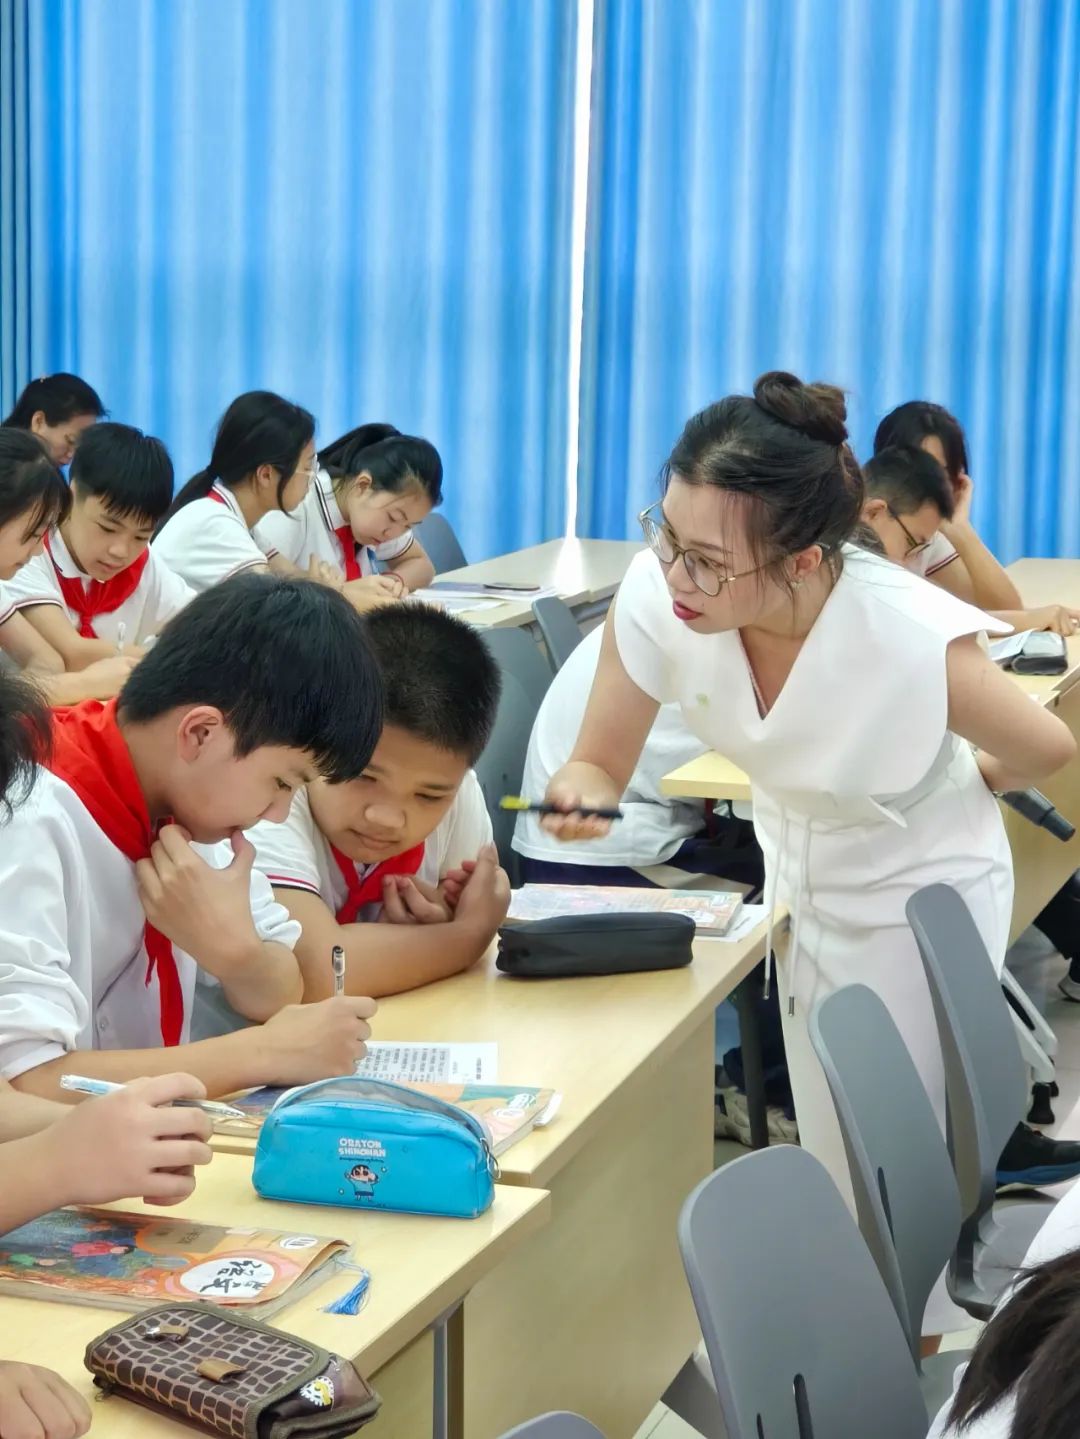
858	700
909	501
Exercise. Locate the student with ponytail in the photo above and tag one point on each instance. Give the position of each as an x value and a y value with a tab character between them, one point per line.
856	697
33	500
57	409
373	485
262	462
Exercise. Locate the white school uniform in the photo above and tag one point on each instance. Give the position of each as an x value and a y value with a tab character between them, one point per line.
208	540
7	603
160	594
73	965
1059	1235
310	530
296	854
653	825
861	796
937	554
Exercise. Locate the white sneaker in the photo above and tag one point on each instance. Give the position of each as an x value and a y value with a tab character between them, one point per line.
1070	988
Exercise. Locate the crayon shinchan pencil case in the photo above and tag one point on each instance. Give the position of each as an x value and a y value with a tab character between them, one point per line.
367	1144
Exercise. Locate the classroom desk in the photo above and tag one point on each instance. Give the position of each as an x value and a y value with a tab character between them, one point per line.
421	1268
593	1314
1042	864
586	573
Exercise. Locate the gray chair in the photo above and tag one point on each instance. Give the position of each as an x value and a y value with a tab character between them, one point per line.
561	631
436	534
905	1189
986	1087
525	680
555	1426
801	1336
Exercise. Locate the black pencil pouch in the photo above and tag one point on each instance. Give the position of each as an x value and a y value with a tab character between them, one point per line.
1043	654
580	944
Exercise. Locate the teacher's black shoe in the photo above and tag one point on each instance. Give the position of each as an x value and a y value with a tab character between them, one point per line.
1032	1160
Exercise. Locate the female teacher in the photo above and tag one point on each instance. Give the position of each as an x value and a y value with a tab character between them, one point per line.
849	690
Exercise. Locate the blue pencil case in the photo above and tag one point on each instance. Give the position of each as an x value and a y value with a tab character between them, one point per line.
366	1144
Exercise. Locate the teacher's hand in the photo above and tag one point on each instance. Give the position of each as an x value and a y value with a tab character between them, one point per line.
575	787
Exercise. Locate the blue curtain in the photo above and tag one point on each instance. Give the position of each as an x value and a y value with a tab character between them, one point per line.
364	204
876	192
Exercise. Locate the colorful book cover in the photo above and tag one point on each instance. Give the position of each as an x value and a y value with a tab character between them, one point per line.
713	911
507	1111
132	1261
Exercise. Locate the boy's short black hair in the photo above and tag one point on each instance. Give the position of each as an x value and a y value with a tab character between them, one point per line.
441	683
907	479
286	662
917	420
129	471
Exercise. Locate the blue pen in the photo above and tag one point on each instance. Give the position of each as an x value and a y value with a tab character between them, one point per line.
78	1084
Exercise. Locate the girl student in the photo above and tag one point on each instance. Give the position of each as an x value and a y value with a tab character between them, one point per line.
262	462
57	409
33	499
856	697
373	485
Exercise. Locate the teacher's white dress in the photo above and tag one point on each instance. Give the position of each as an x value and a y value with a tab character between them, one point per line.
861	797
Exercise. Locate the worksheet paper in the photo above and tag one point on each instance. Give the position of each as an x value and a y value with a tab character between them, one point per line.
416	1063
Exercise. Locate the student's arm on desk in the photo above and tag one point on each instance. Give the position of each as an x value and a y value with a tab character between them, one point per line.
976	576
1058	619
613	732
1019	742
76	651
408	952
414	567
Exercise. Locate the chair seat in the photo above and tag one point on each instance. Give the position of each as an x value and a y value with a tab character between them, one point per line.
1005	1238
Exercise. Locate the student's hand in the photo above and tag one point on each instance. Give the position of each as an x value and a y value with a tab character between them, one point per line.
37	1404
325	574
963	491
105	678
454	881
408	900
1058	619
203	910
305	1042
575	786
373	591
485	896
127	1144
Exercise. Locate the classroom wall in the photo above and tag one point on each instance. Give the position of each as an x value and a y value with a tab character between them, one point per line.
363	204
881	193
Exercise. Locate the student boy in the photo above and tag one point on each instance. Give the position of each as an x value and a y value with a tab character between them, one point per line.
908	499
97	584
116	876
398	843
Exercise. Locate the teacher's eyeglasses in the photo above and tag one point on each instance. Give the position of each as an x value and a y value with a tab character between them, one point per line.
702	571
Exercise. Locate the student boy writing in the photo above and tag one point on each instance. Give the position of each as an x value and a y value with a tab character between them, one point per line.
129	1144
398	843
97	588
116	875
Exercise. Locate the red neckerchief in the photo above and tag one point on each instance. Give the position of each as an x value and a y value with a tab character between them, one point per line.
348	552
90	755
98	597
369	889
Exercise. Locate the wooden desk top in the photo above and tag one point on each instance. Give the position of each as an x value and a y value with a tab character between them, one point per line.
582	1037
419	1268
584	572
1040	582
